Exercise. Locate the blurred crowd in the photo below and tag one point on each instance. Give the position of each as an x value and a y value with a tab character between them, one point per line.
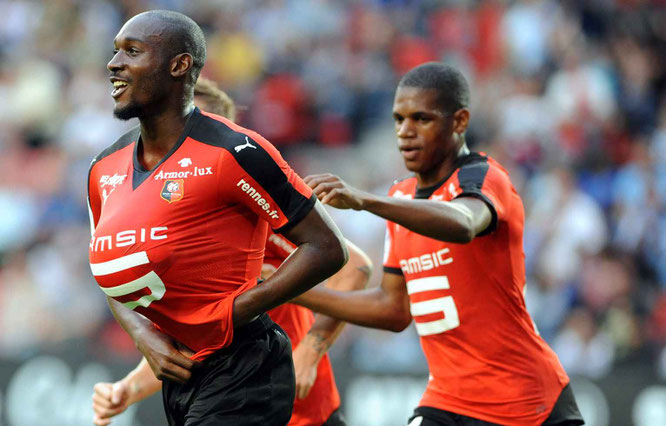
568	95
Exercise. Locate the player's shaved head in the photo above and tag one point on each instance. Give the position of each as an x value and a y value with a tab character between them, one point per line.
178	34
448	81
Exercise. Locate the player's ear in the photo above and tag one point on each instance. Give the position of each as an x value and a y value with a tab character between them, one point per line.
460	121
181	64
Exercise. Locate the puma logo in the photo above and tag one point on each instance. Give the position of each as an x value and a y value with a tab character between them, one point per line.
247	144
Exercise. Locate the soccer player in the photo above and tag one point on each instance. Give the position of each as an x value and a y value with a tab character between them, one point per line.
454	264
317	398
180	208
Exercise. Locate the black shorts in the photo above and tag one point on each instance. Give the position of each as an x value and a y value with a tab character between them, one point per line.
565	413
335	419
250	382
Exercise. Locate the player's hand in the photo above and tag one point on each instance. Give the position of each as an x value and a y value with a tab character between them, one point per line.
332	190
109	400
167	358
306	361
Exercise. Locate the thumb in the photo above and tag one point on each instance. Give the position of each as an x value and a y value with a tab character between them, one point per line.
117	393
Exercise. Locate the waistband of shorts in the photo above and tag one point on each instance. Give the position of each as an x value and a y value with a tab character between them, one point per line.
254	329
258	325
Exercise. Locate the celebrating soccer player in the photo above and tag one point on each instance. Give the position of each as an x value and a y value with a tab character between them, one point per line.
454	263
180	208
317	398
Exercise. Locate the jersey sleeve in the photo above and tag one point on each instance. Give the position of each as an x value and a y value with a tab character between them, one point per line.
391	262
258	177
483	180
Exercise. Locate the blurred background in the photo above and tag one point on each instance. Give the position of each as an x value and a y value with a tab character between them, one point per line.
568	95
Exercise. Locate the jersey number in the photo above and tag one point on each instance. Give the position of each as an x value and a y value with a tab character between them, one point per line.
446	305
151	280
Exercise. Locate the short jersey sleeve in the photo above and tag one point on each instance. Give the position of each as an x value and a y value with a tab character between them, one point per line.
391	262
253	173
486	180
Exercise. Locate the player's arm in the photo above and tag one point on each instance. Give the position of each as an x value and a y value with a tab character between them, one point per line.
166	357
111	399
385	307
325	330
456	221
321	253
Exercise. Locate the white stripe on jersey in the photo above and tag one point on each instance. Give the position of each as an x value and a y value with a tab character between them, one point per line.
436	327
428	306
119	264
427	284
387	245
90	216
150	280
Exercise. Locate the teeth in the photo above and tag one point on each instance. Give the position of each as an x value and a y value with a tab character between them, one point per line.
117	84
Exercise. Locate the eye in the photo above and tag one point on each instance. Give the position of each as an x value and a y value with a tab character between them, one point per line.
132	51
397	119
422	118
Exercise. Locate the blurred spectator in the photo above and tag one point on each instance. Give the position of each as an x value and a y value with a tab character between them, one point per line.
582	348
562	226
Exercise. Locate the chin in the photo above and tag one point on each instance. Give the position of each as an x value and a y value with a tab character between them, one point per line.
413	167
127	112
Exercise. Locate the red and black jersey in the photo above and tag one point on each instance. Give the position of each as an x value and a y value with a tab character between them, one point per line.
296	321
486	359
178	243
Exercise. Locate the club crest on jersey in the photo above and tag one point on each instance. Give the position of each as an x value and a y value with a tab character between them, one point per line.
173	190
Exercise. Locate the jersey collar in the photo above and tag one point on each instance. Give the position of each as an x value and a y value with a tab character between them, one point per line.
140	173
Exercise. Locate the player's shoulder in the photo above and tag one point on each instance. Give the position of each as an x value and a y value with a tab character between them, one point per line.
404	185
473	160
218	131
122	142
477	167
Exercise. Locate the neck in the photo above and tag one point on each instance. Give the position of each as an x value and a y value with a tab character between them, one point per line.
445	168
160	132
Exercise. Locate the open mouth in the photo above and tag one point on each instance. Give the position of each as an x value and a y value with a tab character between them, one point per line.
410	153
118	88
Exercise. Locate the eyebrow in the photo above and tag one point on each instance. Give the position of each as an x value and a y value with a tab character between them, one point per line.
129	39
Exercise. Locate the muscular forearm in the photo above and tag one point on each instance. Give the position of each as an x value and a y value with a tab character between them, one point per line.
321	337
354	276
141	382
306	267
132	322
368	308
167	359
457	221
445	221
321	252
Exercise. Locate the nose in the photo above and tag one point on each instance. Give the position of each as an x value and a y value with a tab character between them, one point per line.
115	64
405	129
